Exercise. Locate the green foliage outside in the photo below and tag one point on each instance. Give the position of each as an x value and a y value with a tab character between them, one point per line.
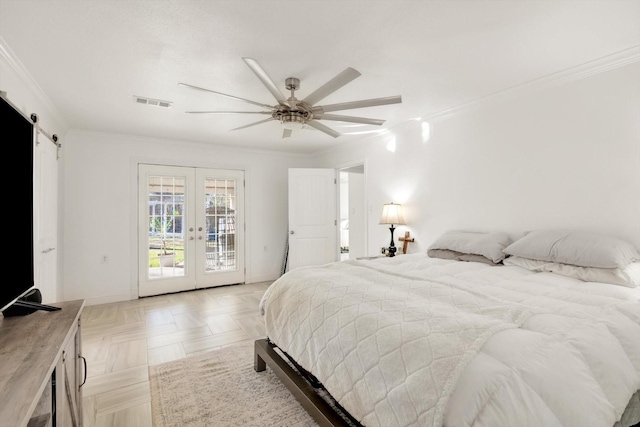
171	246
159	244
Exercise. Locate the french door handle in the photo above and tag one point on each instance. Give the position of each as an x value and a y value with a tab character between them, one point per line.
46	251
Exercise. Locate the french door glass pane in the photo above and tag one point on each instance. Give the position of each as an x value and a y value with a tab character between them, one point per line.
166	195
220	215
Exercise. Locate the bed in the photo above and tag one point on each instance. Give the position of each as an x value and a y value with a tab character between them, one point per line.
418	340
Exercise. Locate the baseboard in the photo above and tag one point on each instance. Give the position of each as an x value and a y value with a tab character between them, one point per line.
129	297
262	278
107	299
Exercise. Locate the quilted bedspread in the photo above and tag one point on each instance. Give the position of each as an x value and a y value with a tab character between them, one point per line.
416	341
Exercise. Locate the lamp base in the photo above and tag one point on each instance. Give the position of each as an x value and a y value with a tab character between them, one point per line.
392	247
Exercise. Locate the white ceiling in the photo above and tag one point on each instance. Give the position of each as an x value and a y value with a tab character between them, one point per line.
92	57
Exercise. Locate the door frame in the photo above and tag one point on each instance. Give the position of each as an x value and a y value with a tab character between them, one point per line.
367	209
136	160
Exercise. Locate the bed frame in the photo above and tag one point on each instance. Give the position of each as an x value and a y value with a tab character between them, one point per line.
302	384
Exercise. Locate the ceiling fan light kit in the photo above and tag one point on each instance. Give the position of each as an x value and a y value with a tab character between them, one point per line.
295	114
293	120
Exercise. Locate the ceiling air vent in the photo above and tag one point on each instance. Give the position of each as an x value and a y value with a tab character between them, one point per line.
151	101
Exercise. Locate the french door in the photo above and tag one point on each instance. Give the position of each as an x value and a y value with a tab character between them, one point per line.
191	228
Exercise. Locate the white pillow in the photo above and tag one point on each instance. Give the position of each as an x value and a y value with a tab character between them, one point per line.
629	276
459	256
581	248
487	244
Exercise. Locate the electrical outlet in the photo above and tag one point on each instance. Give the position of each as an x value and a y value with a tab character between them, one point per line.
266	248
383	250
105	259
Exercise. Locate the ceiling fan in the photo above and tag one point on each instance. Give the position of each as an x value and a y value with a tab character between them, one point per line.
297	114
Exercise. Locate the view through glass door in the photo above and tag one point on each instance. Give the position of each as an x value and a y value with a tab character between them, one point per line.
191	223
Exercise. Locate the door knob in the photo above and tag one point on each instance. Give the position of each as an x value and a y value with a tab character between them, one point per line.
292	232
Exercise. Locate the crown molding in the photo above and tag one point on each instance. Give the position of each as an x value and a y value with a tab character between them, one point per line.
579	72
15	65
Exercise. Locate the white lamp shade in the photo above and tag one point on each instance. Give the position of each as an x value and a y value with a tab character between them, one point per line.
392	214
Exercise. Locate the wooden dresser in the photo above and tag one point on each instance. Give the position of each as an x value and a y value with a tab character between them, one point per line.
41	368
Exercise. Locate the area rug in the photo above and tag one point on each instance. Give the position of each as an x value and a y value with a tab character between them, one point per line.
220	388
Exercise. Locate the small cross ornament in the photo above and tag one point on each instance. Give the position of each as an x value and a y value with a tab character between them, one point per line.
406	239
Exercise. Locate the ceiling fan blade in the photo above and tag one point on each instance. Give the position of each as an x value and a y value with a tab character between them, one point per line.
228	112
332	85
323	128
224	94
357	104
266	80
286	133
339	118
255	123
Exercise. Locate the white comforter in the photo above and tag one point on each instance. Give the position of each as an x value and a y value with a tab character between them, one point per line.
415	341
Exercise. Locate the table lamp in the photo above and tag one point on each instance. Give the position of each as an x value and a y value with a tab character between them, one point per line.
392	214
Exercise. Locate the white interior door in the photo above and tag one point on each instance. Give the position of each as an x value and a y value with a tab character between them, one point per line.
313	221
46	218
191	224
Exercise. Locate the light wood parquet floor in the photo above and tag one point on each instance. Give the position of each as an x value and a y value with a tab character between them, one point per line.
121	340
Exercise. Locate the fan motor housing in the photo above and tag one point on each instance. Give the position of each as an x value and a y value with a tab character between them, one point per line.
292	83
292	116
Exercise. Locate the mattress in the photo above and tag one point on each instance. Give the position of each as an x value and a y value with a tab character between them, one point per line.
416	341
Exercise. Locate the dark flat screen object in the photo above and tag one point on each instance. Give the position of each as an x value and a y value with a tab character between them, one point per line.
27	304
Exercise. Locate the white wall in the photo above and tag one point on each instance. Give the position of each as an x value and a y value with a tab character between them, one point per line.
563	154
100	217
